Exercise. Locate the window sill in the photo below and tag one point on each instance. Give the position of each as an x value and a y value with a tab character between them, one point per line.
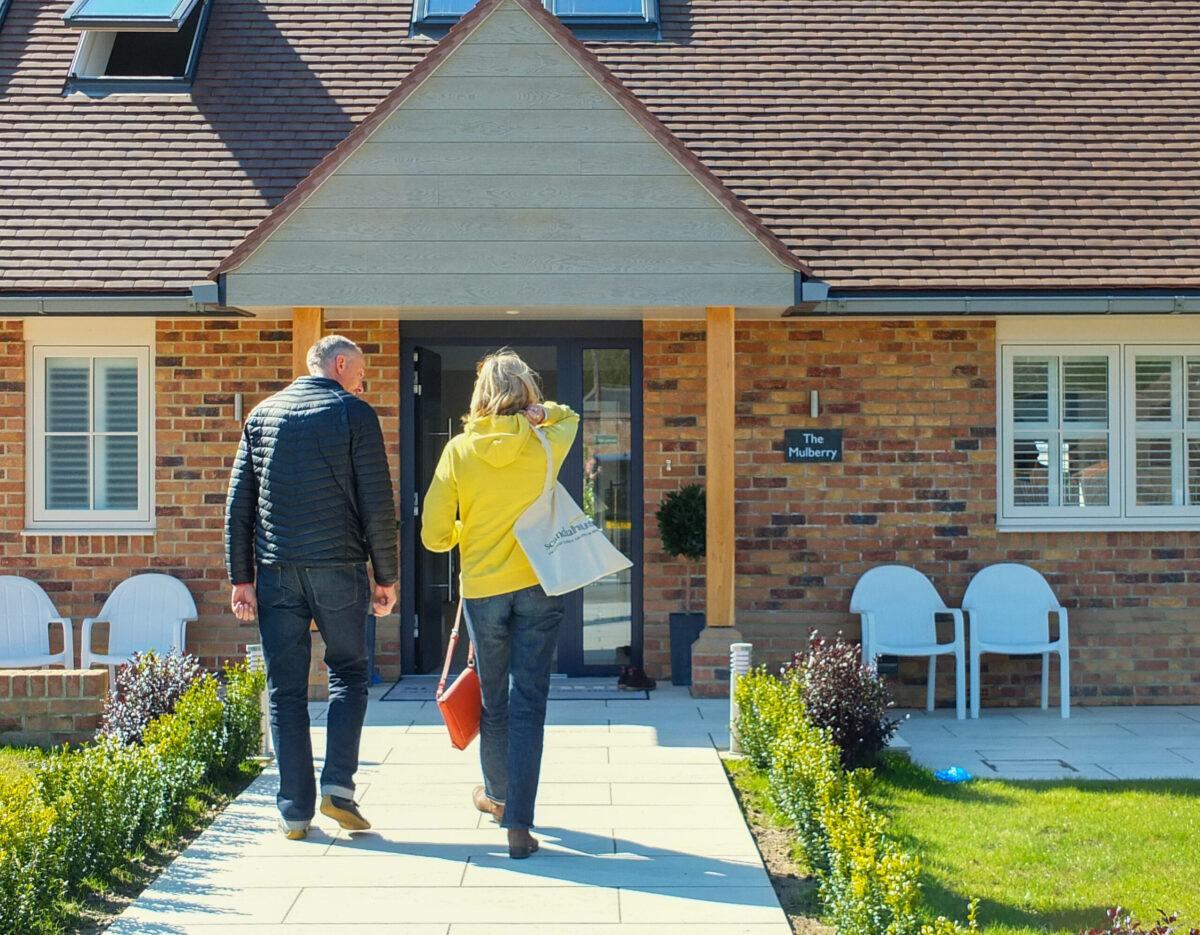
1106	525
76	530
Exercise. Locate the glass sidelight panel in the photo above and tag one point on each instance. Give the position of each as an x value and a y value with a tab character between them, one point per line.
605	431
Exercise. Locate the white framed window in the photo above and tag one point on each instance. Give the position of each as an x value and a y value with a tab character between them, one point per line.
91	447
1099	436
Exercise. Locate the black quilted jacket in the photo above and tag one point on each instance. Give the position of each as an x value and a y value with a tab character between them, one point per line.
310	485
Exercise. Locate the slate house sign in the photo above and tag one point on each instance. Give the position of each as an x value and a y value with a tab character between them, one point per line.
802	445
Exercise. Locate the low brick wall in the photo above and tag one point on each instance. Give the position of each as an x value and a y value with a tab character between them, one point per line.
48	707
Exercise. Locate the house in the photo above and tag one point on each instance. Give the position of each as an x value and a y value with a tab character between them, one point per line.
963	236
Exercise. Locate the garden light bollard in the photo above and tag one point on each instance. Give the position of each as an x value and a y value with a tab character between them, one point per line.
741	658
254	654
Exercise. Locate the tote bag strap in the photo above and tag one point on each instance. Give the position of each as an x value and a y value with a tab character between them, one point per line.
450	650
549	457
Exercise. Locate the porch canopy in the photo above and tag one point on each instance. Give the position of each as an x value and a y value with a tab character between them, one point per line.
512	172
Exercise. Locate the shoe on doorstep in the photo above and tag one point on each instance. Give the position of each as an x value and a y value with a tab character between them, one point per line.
293	830
345	812
637	680
623	678
486	805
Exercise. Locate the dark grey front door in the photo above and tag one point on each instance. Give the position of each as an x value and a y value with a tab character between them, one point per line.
599	377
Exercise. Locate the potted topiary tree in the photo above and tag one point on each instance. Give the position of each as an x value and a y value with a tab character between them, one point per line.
681	526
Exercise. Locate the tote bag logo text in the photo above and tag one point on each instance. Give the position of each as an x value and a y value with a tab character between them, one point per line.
580	526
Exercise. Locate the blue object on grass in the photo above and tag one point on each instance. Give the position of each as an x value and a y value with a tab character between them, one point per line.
953	774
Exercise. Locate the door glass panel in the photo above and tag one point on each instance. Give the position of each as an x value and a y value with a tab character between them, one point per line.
607	485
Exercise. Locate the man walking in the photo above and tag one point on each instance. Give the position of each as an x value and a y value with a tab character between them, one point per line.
310	500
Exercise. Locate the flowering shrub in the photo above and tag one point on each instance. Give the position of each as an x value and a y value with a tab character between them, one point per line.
83	811
843	696
145	688
1122	922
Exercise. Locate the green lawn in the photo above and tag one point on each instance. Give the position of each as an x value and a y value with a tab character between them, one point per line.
1048	856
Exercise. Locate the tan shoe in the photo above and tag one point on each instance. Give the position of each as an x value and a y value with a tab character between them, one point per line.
293	830
345	812
486	805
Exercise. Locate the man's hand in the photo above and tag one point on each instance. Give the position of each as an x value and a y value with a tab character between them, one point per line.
384	600
244	602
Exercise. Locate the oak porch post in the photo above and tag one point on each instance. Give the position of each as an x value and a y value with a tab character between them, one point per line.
710	652
306	331
307	323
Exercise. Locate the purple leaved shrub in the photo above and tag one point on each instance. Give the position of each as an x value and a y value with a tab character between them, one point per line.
145	688
1121	922
844	696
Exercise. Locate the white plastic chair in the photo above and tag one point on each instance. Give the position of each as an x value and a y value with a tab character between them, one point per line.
143	612
26	613
1009	606
897	605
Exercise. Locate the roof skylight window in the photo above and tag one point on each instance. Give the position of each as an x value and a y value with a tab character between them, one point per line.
600	19
137	46
129	14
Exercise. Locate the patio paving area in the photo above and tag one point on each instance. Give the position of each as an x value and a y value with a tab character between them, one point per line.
640	830
640	834
1151	742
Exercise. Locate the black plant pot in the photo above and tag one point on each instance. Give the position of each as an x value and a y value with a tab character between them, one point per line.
684	630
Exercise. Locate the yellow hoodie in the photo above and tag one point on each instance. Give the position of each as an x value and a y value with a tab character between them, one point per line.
488	476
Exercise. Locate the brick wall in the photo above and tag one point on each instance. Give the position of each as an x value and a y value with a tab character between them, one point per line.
199	366
49	707
917	485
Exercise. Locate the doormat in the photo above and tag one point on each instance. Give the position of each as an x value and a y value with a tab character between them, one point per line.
423	688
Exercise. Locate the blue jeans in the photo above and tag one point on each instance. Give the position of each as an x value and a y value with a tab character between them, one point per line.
337	597
514	636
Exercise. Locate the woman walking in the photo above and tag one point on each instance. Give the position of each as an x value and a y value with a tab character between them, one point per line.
486	478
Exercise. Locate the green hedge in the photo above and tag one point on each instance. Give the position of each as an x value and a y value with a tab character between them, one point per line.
82	811
868	885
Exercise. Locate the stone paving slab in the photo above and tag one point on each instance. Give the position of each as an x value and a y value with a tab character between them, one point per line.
1146	742
640	833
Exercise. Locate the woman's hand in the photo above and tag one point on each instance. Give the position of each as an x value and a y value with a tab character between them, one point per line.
536	414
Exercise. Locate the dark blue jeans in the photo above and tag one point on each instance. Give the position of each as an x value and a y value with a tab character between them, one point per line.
337	597
514	636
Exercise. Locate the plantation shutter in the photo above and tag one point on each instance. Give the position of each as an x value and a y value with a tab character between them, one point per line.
91	443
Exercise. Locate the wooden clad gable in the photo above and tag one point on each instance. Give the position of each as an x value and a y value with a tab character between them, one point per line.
512	176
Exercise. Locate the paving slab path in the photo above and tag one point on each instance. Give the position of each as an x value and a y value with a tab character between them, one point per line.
640	835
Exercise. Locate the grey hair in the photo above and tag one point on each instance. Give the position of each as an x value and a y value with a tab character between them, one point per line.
322	354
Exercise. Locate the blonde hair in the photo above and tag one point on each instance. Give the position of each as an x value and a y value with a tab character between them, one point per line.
504	386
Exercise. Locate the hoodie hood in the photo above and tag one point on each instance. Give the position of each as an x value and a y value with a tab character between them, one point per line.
498	440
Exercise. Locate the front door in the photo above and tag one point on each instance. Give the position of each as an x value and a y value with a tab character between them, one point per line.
599	377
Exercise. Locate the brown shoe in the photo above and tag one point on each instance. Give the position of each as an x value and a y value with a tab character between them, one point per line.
486	805
521	843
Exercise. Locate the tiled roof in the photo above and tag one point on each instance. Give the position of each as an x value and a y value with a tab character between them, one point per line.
891	145
585	60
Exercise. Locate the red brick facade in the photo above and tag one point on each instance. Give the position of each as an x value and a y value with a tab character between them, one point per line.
916	401
199	366
917	485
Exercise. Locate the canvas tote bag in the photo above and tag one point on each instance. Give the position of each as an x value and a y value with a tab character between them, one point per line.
462	703
562	543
